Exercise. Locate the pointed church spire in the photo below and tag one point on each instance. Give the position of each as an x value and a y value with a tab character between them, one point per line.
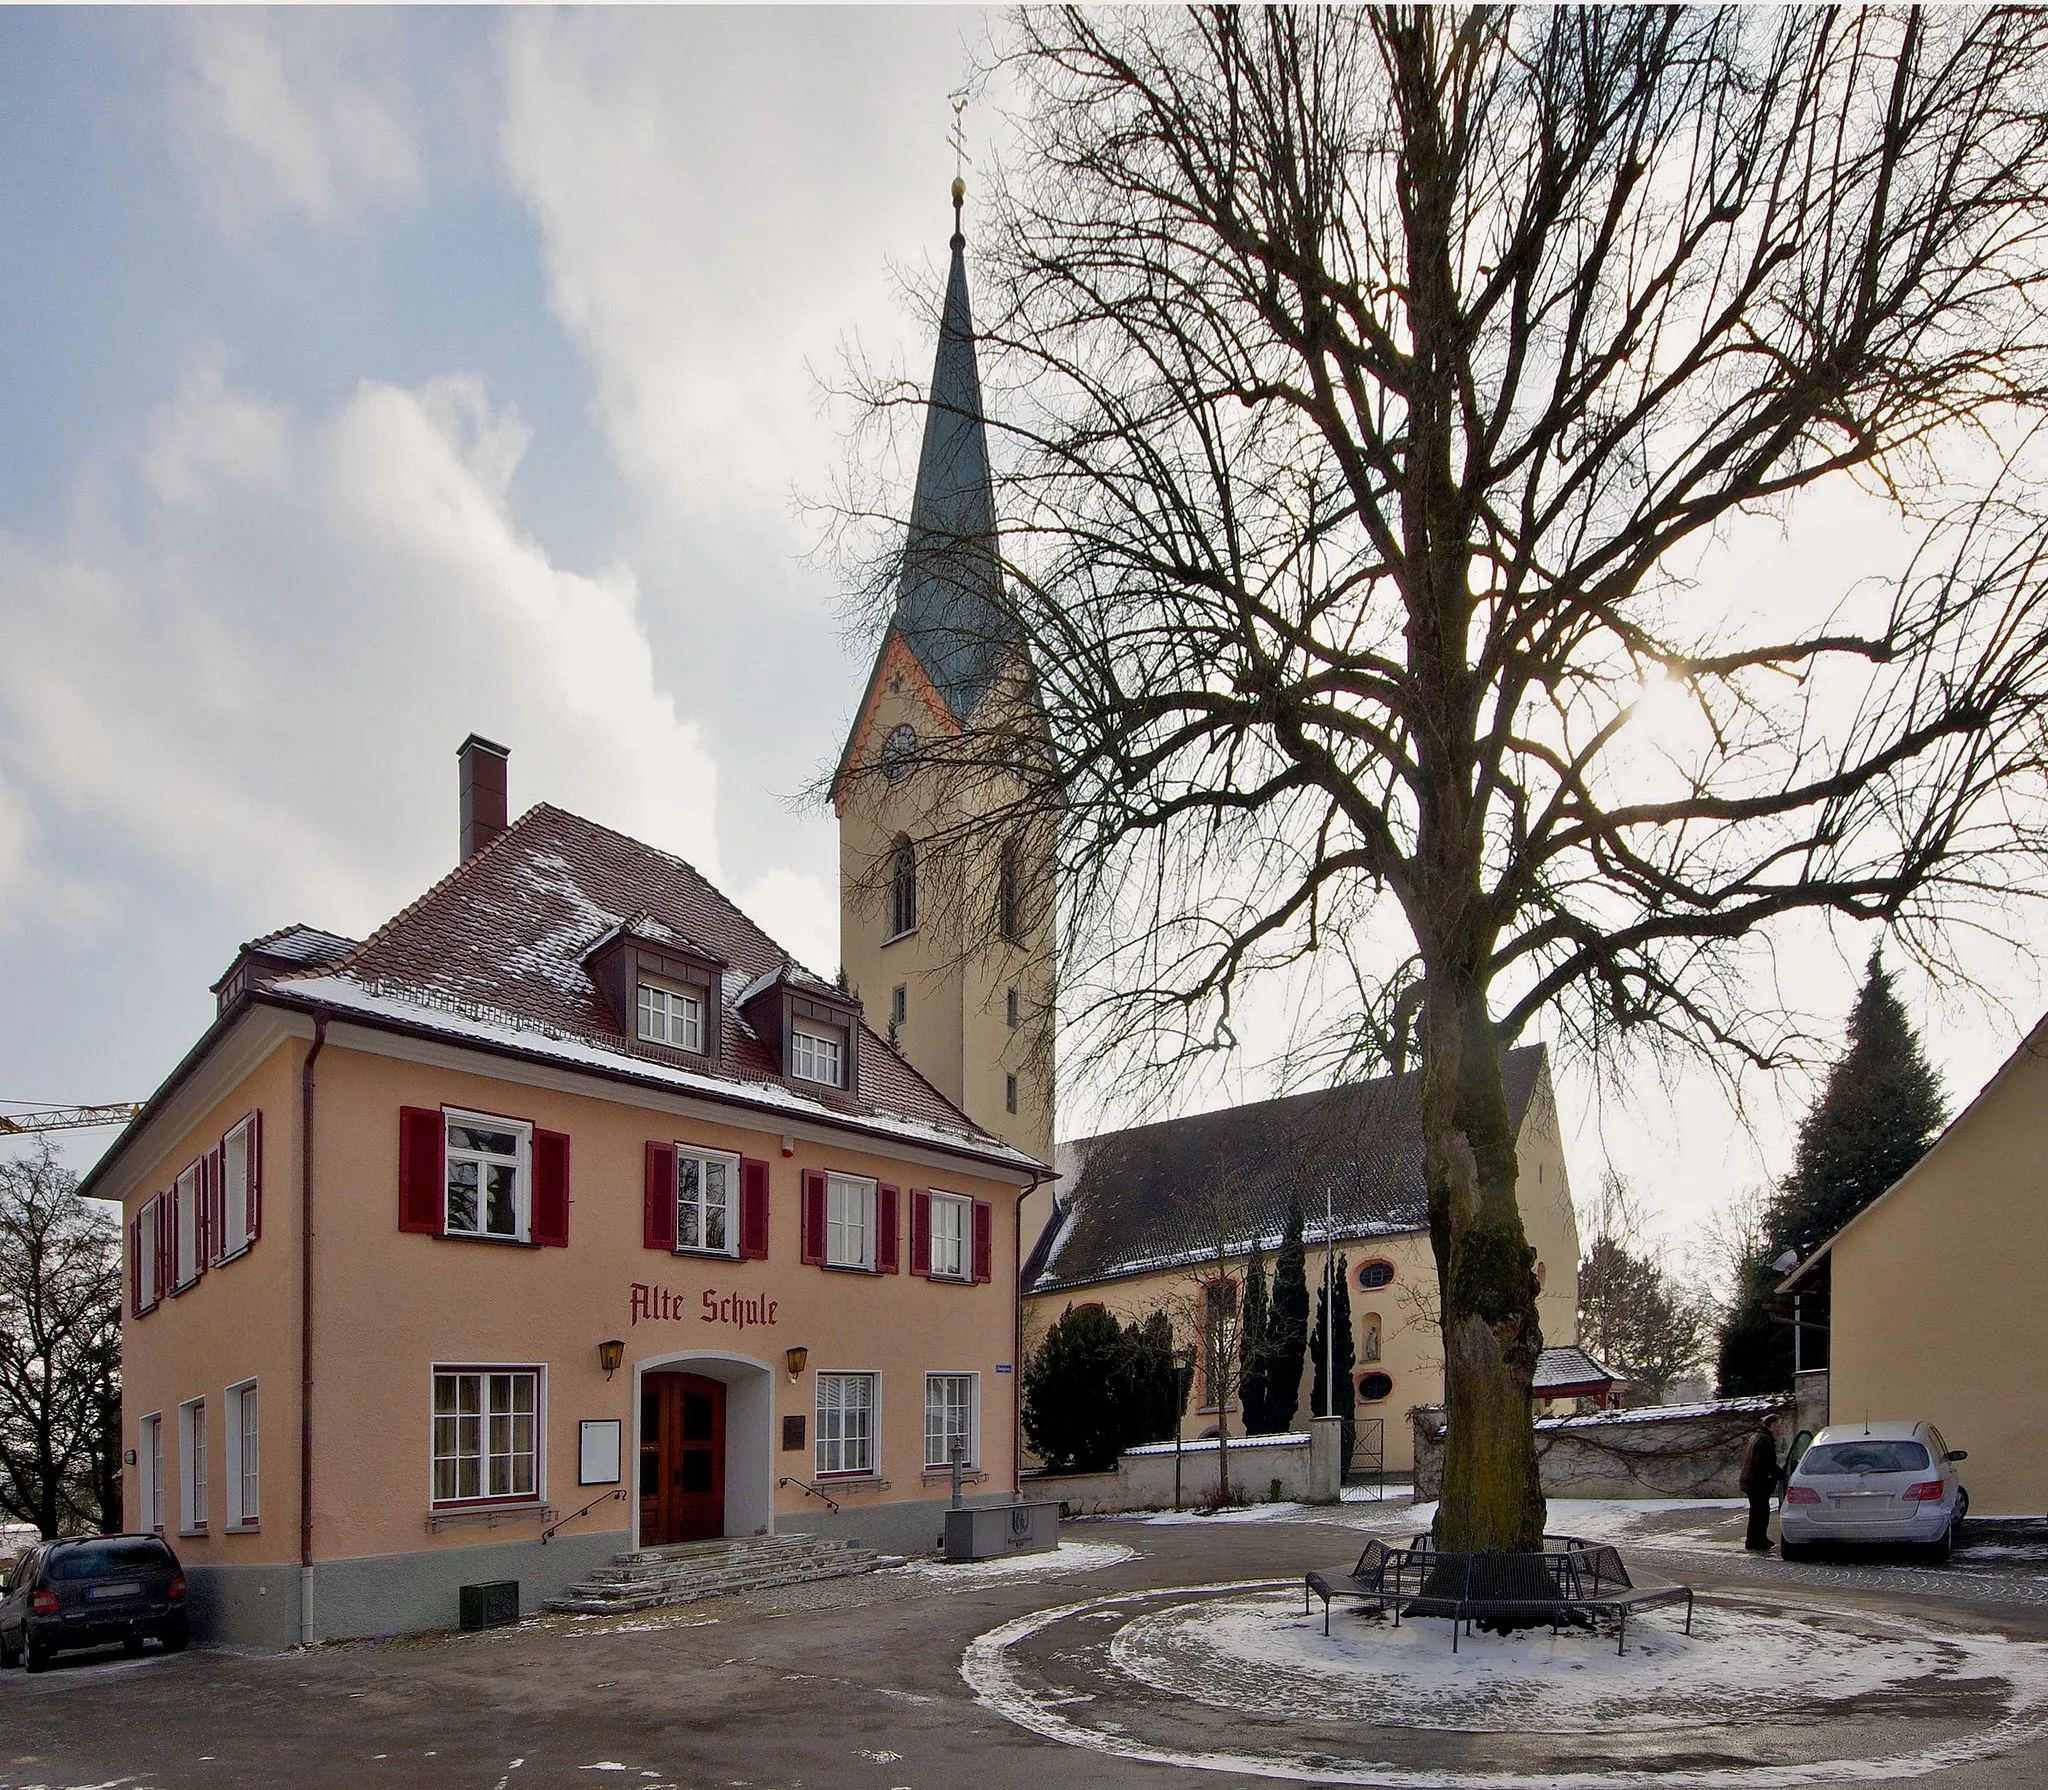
949	606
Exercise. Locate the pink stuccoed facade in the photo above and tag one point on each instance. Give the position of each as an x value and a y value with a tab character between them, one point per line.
378	1233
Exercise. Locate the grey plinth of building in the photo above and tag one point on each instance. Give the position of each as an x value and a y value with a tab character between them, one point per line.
1325	1460
996	1531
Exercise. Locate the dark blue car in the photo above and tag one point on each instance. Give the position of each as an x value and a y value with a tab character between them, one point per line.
92	1592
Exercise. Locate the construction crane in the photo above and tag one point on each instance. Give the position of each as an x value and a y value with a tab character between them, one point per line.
68	1118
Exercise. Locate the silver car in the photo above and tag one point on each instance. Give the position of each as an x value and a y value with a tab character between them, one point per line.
1874	1482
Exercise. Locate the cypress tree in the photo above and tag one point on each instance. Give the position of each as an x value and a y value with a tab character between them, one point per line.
1878	1111
1254	1350
1346	1359
1287	1323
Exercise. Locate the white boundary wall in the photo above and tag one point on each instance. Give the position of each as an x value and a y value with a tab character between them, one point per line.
1143	1477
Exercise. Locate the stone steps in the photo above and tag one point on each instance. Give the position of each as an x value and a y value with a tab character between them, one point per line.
654	1578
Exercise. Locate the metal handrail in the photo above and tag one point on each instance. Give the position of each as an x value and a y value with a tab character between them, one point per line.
547	1534
831	1504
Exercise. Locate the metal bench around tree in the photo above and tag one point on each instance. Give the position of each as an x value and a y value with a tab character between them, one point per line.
1571	1581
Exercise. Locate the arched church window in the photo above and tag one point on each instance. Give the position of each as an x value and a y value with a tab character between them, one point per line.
899	751
903	890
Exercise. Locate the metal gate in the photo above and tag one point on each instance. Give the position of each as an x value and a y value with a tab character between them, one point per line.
1366	1464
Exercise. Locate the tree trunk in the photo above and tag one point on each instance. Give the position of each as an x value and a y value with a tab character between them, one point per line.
1492	1499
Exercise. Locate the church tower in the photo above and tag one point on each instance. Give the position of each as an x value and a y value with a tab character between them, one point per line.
945	919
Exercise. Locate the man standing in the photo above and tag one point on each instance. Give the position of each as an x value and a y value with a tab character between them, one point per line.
1760	1480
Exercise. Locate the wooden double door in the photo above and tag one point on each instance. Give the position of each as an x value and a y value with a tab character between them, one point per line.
682	1459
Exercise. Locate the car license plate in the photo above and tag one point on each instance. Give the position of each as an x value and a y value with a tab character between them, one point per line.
123	1588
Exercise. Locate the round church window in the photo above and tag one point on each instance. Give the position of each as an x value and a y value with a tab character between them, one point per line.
1374	1387
899	751
1377	1273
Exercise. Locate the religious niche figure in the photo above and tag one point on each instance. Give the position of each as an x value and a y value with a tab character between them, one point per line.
1369	1346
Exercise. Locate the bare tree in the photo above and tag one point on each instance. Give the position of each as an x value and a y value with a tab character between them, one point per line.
1369	385
60	1351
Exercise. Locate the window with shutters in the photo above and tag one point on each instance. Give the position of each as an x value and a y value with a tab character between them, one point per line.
818	1055
145	1253
186	1229
192	1467
237	1185
149	1469
488	1174
670	1016
707	1203
950	1417
849	1222
846	1423
952	1236
244	1457
487	1428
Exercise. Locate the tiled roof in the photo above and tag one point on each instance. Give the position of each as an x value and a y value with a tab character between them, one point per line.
1568	1366
1154	1197
495	952
303	944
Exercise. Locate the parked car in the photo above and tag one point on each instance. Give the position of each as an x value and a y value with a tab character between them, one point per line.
91	1592
1874	1482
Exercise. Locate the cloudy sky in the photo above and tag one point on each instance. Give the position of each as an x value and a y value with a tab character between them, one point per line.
372	377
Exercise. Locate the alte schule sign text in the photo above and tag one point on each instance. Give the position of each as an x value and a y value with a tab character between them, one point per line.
658	1305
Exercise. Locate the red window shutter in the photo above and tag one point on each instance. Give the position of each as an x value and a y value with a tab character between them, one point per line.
163	1222
255	1175
658	1198
753	1209
920	1230
209	1229
984	1242
422	1170
814	1215
551	1188
888	1230
135	1264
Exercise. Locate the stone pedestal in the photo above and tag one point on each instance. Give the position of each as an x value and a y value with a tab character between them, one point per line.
1325	1459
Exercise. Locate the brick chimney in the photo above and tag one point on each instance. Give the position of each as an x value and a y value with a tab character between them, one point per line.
483	792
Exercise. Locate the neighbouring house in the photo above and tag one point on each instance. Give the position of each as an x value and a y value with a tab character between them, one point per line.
1164	1216
1962	1237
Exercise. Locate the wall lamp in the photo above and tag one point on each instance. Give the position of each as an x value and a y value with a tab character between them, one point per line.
794	1360
609	1355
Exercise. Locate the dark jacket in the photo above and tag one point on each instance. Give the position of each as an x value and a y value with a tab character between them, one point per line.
1761	1475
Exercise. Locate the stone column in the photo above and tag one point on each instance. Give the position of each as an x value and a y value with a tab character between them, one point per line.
1325	1459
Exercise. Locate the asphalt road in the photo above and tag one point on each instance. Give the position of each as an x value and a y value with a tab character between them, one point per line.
852	1683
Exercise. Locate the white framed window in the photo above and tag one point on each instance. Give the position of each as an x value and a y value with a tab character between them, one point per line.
487	1428
490	1176
149	1470
192	1466
236	1177
185	1209
952	1236
951	1412
707	1202
243	1434
846	1422
148	1258
670	1016
817	1056
849	1222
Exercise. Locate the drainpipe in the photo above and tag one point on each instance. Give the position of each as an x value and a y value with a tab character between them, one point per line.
1017	1355
306	1331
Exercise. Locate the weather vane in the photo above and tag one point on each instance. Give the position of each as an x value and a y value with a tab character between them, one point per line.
958	135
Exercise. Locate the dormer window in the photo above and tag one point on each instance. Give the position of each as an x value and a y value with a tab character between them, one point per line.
816	1054
671	1017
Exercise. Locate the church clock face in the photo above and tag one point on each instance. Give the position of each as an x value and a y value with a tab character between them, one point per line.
899	751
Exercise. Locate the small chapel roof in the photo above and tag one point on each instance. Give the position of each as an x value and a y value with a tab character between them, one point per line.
1150	1198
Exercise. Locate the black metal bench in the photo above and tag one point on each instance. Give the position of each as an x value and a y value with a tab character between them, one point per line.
1571	1580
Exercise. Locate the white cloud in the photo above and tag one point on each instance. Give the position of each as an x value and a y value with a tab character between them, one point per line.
294	111
260	687
799	913
704	244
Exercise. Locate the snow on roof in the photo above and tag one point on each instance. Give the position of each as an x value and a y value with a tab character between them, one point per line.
1720	1407
1569	1365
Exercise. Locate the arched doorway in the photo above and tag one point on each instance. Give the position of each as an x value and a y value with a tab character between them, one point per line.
701	1448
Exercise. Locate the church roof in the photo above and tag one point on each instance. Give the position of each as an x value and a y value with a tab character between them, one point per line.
1151	1198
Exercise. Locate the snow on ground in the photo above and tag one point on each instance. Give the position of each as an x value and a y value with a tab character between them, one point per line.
1069	1557
1742	1662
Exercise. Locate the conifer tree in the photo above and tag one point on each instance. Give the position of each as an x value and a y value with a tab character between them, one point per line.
1879	1110
1255	1378
1345	1359
1287	1323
